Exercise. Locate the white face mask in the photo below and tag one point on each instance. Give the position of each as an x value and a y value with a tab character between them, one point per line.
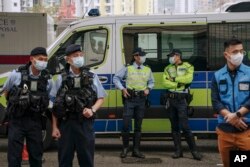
172	60
40	65
78	61
142	59
236	59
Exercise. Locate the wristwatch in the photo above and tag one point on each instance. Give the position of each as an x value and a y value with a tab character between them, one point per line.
238	114
93	110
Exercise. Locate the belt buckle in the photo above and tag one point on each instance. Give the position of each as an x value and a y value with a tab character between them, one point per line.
136	93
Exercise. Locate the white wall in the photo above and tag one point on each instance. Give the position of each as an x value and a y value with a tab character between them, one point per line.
11	6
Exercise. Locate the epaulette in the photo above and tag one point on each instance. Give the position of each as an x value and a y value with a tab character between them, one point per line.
24	67
86	72
45	74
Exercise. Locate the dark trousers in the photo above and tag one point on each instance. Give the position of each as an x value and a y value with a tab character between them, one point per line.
76	136
133	108
179	121
31	129
179	116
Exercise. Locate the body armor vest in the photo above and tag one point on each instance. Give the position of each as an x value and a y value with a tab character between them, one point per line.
75	93
31	95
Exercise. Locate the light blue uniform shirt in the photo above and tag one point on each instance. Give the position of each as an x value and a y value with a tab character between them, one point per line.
120	75
15	79
97	86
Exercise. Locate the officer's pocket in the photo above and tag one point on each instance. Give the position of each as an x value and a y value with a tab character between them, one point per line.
223	86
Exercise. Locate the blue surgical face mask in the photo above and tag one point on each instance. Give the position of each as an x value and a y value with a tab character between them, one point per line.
40	65
142	59
172	60
78	61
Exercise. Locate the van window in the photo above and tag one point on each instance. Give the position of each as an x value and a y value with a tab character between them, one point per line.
148	41
93	43
159	41
218	34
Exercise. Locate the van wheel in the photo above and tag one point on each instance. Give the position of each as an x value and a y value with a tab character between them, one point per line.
46	134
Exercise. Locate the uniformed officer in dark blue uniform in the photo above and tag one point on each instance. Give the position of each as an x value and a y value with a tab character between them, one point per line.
139	81
27	91
79	94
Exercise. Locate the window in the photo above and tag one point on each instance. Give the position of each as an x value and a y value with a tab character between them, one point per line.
93	42
107	1
159	41
218	34
15	4
108	9
148	42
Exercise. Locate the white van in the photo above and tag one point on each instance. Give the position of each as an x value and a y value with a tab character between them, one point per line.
109	41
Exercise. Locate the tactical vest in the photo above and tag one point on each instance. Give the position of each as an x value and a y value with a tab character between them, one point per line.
31	95
137	78
75	93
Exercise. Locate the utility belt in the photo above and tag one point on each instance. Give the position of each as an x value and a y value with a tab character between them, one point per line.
136	93
172	95
19	114
76	116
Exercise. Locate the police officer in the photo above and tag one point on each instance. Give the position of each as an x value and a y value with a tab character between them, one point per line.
231	100
176	78
139	81
27	91
79	94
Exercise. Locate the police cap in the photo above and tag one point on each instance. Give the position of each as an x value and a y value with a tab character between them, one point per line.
72	48
175	52
139	51
38	51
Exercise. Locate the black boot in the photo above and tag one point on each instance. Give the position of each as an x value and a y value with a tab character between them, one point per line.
124	152
192	146
137	140
177	144
125	141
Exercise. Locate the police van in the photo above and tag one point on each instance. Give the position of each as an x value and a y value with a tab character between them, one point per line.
108	43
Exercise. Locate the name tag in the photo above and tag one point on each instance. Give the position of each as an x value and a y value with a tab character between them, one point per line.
244	86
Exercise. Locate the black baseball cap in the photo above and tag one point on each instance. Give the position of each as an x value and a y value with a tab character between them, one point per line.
73	48
38	51
174	52
139	51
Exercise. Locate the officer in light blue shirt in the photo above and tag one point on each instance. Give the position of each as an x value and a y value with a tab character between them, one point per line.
97	86
78	95
27	92
123	73
15	79
139	81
